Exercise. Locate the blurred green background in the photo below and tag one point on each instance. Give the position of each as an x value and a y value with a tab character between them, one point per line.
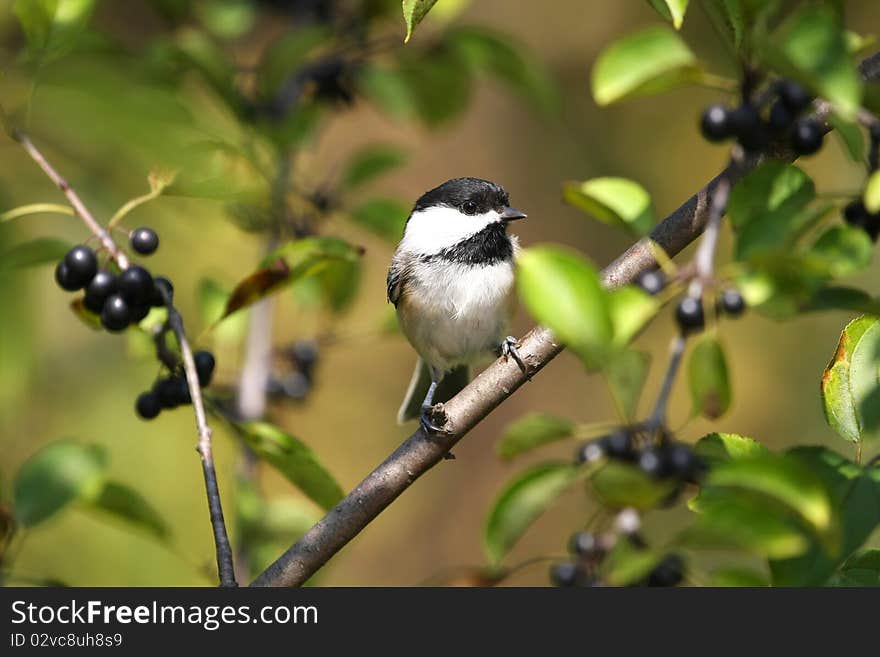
59	379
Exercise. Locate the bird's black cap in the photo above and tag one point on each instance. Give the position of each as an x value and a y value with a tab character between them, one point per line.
469	195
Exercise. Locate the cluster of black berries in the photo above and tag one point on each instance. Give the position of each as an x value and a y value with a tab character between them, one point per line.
660	459
755	132
689	313
855	213
172	391
118	299
125	298
296	382
588	550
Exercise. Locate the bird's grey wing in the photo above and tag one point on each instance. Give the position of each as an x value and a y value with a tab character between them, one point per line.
397	273
451	384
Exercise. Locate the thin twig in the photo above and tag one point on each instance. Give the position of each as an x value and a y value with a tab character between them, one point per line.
225	565
78	206
676	351
221	540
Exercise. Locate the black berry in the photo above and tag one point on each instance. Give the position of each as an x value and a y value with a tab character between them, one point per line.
567	573
102	286
167	392
590	452
204	366
652	282
138	312
668	572
807	136
160	284
147	405
116	314
81	265
683	463
653	461
619	445
64	279
136	285
745	120
732	302
855	213
795	97
144	240
689	314
305	355
781	118
296	385
715	124
586	544
181	390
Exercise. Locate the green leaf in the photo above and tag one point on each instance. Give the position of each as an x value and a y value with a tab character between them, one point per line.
58	474
851	135
729	19
739	577
370	163
36	252
835	297
488	51
768	209
562	291
52	27
842	251
385	217
621	485
414	11
293	459
288	55
228	19
708	378
627	564
650	61
630	309
717	448
783	479
731	519
531	431
614	201
288	264
439	86
861	569
388	89
812	47
855	494
872	193
520	503
671	10
128	505
774	190
626	374
849	389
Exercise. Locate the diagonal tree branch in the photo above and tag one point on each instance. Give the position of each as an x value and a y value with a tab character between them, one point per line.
419	453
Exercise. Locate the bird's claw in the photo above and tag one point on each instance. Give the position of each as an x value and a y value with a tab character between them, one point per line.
433	419
510	349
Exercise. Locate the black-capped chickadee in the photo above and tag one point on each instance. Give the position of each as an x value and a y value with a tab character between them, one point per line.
452	282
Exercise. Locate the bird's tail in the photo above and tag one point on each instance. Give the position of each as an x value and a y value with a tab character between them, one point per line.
451	384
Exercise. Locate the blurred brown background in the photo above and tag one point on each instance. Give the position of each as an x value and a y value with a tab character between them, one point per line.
59	379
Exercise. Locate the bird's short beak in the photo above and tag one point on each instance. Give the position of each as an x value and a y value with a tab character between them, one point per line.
512	214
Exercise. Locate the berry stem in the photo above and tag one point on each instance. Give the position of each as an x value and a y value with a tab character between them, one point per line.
221	537
78	206
676	351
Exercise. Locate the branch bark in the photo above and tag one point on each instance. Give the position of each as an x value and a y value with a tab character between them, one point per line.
419	452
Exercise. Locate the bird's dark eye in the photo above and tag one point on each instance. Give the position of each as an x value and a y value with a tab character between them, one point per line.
469	207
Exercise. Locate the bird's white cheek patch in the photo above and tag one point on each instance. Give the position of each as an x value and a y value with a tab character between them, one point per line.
432	230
